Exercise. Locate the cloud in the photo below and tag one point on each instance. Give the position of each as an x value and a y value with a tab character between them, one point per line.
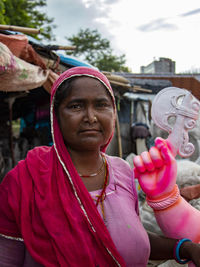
99	3
156	25
73	15
190	13
111	1
163	24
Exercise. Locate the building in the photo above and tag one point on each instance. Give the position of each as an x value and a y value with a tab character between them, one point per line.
161	66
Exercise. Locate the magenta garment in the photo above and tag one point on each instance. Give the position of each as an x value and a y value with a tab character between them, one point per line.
122	221
121	214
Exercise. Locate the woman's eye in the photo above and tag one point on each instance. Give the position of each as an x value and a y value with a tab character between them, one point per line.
75	106
102	104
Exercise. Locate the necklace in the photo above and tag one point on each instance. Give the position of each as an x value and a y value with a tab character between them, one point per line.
102	196
96	173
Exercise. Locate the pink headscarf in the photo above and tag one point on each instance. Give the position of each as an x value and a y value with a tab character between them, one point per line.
44	201
77	72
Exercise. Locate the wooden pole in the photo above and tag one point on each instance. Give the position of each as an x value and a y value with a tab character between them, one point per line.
66	47
138	88
19	29
119	83
11	101
118	136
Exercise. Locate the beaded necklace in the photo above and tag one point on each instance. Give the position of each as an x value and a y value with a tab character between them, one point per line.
100	198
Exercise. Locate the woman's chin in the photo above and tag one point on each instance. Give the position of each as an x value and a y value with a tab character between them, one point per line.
89	145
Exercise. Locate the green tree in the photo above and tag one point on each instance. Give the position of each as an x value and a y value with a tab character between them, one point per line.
90	46
2	11
27	13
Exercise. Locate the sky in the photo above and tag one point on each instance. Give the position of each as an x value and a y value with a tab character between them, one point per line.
143	30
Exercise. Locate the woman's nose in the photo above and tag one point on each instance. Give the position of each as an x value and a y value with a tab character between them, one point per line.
90	116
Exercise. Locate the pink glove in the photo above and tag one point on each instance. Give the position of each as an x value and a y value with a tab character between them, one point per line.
156	170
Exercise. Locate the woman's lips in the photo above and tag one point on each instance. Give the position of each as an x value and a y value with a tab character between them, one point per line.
89	131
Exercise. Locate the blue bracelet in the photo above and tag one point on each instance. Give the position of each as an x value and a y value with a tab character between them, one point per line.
177	250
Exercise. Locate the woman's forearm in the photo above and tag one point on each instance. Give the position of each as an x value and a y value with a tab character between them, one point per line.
161	247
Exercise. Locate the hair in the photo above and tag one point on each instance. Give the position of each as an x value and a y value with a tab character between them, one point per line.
62	92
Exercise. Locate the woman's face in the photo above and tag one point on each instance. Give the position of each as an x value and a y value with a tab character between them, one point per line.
86	115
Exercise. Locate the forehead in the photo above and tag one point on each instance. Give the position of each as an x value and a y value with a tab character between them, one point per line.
83	86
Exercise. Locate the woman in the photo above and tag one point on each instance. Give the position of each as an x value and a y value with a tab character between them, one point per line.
71	204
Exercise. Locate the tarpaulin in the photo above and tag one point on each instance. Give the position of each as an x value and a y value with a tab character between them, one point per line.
18	75
19	47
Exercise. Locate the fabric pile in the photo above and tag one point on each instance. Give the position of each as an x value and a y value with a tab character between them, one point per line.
21	68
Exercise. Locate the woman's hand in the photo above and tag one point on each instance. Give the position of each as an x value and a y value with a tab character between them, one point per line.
195	255
156	170
191	251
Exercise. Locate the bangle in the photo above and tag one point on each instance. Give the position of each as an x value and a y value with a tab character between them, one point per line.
164	203
177	250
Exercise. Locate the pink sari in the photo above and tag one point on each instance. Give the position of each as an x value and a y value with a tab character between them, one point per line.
44	201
